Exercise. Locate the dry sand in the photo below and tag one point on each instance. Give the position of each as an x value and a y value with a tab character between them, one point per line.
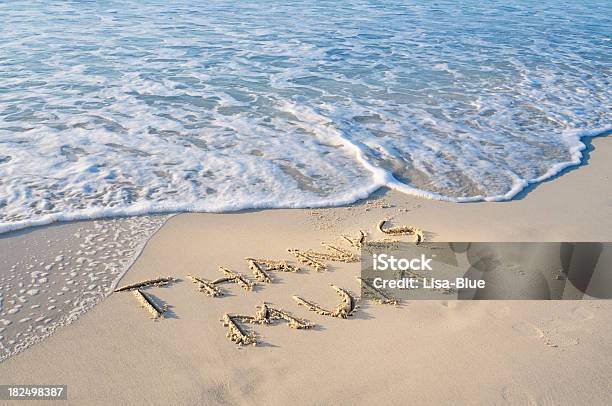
423	352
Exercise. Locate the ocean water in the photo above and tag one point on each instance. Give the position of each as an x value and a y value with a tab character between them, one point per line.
131	107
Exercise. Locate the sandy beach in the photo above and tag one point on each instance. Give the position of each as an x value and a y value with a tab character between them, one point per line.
421	352
331	202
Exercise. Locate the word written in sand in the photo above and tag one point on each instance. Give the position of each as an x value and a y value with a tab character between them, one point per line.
261	269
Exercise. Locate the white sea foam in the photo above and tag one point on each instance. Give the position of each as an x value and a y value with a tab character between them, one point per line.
32	308
125	108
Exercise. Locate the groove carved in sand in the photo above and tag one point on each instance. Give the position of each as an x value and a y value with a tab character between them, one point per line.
320	256
274	265
384	243
236	333
259	272
279	314
205	286
231	276
357	242
334	253
307	258
345	309
402	230
265	315
160	281
339	254
379	296
149	304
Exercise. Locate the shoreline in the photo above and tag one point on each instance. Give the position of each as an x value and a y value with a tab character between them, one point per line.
447	344
54	274
580	157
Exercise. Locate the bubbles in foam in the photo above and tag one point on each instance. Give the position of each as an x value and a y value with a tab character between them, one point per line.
85	269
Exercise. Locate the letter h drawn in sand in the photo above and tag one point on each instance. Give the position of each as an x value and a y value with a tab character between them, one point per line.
212	289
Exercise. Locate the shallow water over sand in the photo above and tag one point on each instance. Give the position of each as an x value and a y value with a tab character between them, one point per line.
111	108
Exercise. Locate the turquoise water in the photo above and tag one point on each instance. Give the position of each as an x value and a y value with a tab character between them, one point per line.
131	107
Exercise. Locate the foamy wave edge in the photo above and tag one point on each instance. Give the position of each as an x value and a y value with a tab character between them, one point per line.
382	178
